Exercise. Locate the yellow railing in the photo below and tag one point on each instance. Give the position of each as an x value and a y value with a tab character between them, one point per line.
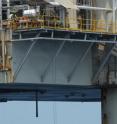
54	22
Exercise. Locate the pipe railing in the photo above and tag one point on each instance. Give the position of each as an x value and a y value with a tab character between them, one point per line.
54	22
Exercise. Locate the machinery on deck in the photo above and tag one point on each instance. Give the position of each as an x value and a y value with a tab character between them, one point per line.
56	15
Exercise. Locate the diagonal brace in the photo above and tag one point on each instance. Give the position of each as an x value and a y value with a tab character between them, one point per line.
78	62
25	58
53	59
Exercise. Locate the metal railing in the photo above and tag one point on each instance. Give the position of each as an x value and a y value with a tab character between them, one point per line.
54	22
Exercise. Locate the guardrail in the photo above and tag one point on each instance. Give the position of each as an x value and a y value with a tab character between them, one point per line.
54	22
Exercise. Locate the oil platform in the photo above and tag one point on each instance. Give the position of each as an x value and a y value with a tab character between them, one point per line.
59	50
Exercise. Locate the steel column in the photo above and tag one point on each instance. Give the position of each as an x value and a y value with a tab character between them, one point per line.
8	10
1	14
109	103
114	16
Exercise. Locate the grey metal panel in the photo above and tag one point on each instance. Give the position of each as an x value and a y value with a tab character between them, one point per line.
41	55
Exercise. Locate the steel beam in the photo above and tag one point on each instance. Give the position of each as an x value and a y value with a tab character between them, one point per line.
78	62
52	60
49	92
64	39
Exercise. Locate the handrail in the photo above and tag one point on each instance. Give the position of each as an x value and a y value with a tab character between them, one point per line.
55	22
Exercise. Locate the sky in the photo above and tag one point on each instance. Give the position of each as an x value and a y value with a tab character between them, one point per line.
50	113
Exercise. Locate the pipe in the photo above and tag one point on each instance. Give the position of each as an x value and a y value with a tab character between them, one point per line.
8	10
94	8
25	6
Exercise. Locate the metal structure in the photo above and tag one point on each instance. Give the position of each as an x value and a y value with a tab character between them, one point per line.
59	50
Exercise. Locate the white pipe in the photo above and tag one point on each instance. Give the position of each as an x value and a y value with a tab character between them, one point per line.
94	8
8	10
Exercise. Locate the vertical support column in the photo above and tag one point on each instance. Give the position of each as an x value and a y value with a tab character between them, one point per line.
114	16
1	14
8	10
62	16
104	18
8	59
6	56
109	106
72	16
3	56
6	47
2	74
